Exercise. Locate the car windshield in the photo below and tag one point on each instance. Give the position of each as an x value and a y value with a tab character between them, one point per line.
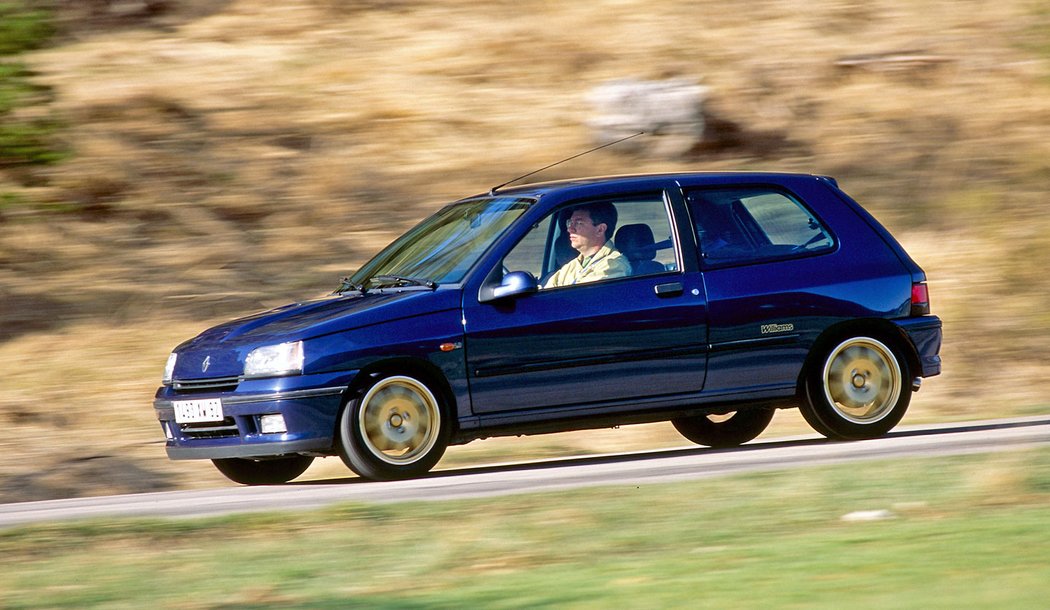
443	247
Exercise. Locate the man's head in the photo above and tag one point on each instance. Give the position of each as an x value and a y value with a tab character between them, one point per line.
590	226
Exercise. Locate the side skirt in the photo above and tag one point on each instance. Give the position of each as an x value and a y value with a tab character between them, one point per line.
546	421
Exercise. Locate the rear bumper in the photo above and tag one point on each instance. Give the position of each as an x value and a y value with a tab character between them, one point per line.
309	404
925	334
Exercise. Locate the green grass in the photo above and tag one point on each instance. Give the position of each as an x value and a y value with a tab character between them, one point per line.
965	532
24	141
23	28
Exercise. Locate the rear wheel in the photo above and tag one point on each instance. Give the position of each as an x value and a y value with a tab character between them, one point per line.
272	471
858	390
396	430
727	430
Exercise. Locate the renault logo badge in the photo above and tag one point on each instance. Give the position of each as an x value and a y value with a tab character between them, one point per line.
206	364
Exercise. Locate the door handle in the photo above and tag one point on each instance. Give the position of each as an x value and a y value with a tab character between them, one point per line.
668	290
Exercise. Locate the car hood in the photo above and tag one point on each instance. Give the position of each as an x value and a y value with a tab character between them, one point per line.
226	345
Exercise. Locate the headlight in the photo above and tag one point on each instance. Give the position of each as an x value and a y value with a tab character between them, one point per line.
275	360
169	368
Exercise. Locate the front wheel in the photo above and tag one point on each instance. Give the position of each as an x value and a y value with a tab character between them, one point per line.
396	430
727	430
858	390
272	471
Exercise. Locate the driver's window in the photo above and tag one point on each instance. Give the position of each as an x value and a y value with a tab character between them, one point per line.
639	233
528	254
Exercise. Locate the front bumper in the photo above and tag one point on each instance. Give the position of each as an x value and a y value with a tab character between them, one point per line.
925	334
309	404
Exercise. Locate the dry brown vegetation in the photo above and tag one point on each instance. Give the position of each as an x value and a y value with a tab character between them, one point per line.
234	155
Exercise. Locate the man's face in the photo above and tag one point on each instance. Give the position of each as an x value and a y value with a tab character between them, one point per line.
585	236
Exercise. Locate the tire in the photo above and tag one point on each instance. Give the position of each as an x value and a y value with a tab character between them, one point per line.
272	471
858	390
396	430
722	431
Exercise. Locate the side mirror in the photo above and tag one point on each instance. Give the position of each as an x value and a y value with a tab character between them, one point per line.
514	284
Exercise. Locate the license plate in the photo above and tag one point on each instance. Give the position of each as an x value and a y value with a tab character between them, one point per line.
194	411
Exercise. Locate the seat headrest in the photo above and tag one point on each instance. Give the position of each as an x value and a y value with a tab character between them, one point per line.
636	242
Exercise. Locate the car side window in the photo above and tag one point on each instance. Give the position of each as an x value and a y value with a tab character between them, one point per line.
528	254
640	234
754	223
643	235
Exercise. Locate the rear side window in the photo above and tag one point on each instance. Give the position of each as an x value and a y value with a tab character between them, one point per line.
754	223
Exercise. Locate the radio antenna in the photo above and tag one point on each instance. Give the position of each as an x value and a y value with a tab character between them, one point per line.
492	191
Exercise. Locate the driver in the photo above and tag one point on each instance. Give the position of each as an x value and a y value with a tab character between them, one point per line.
589	229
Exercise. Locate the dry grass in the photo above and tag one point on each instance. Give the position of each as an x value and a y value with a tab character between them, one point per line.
236	155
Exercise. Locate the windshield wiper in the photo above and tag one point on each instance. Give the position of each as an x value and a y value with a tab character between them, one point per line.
402	280
348	285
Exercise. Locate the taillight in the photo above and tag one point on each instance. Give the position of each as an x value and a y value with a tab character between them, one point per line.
920	299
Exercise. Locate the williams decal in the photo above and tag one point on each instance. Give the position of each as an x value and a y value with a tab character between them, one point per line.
768	329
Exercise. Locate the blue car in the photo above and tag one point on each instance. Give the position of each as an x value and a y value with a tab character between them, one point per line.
706	299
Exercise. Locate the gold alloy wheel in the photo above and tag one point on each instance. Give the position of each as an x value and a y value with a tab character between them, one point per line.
399	420
862	380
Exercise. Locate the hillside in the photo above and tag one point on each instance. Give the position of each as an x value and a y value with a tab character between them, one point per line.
224	156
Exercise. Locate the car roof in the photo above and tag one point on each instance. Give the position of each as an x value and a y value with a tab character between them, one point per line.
594	185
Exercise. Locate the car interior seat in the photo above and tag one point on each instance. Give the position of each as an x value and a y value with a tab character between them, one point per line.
636	242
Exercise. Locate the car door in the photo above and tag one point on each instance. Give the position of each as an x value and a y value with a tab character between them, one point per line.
625	338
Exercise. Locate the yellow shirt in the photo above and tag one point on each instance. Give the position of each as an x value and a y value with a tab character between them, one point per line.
607	262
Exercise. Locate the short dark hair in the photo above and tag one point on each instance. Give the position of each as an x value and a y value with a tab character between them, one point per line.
601	212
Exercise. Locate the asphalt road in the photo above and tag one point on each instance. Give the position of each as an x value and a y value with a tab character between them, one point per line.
613	469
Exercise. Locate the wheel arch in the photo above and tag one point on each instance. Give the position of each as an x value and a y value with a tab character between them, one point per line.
876	328
422	370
